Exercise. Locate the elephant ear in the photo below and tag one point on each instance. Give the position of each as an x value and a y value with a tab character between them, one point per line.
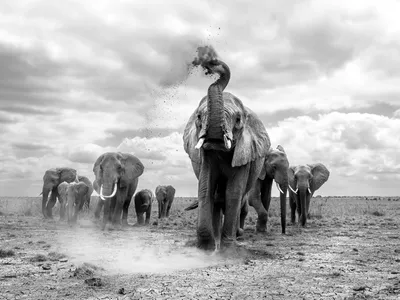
280	148
320	175
67	174
190	139
132	165
96	167
96	186
81	188
263	172
291	178
253	143
170	192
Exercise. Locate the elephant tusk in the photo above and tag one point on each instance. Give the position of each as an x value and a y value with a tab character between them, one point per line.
228	143
279	188
200	143
294	191
309	190
112	195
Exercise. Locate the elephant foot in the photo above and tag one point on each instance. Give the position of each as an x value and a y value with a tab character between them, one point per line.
124	223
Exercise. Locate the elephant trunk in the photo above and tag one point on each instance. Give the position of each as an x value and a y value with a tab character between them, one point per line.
282	196
45	195
163	210
108	190
217	125
303	198
70	208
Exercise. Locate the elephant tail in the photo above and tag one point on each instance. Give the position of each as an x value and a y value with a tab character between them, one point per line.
194	205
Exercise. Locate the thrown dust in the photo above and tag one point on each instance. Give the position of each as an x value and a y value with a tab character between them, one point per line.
132	251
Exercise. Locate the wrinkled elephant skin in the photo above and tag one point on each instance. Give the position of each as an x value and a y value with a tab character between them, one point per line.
165	196
51	180
227	144
117	176
304	180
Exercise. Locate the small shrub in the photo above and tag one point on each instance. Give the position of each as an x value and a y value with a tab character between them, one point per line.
39	258
6	253
377	213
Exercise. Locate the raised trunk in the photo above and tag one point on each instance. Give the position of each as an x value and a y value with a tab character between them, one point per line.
215	106
303	196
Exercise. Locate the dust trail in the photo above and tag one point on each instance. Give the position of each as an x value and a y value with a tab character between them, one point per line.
132	251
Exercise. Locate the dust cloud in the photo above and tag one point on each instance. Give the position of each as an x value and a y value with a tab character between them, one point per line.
133	250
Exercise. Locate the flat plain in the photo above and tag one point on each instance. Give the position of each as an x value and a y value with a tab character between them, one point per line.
350	249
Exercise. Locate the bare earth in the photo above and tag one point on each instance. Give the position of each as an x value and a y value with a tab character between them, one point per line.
350	249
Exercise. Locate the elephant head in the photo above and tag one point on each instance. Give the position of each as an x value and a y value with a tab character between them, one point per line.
226	143
115	170
304	180
165	196
76	196
62	197
89	184
51	179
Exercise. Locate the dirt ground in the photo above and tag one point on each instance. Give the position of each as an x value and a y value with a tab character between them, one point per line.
350	249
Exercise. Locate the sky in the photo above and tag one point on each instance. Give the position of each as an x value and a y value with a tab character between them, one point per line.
80	78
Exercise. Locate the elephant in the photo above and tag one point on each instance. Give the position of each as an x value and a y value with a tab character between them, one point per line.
51	180
276	167
90	191
227	144
117	175
304	180
73	196
165	196
143	203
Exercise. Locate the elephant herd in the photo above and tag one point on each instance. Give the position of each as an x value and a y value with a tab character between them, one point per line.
232	159
117	176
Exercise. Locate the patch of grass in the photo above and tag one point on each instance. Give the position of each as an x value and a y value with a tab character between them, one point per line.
6	253
56	256
39	258
377	213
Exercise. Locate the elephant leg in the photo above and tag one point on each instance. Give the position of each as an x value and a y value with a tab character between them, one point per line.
106	213
168	208
159	209
308	200
52	202
262	214
62	210
243	214
99	206
112	208
128	198
206	191
216	223
292	202
233	200
148	214
140	218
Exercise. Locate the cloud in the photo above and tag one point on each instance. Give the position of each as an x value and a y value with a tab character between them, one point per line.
354	146
84	78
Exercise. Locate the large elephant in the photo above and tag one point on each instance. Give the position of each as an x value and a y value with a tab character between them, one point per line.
227	144
165	196
117	175
143	203
276	167
304	180
51	179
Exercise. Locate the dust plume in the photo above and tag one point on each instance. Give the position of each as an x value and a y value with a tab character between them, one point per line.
205	55
130	251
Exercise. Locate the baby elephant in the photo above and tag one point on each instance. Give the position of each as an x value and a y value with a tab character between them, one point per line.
165	196
72	197
143	200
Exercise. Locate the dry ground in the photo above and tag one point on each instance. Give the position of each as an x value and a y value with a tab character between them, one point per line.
350	249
